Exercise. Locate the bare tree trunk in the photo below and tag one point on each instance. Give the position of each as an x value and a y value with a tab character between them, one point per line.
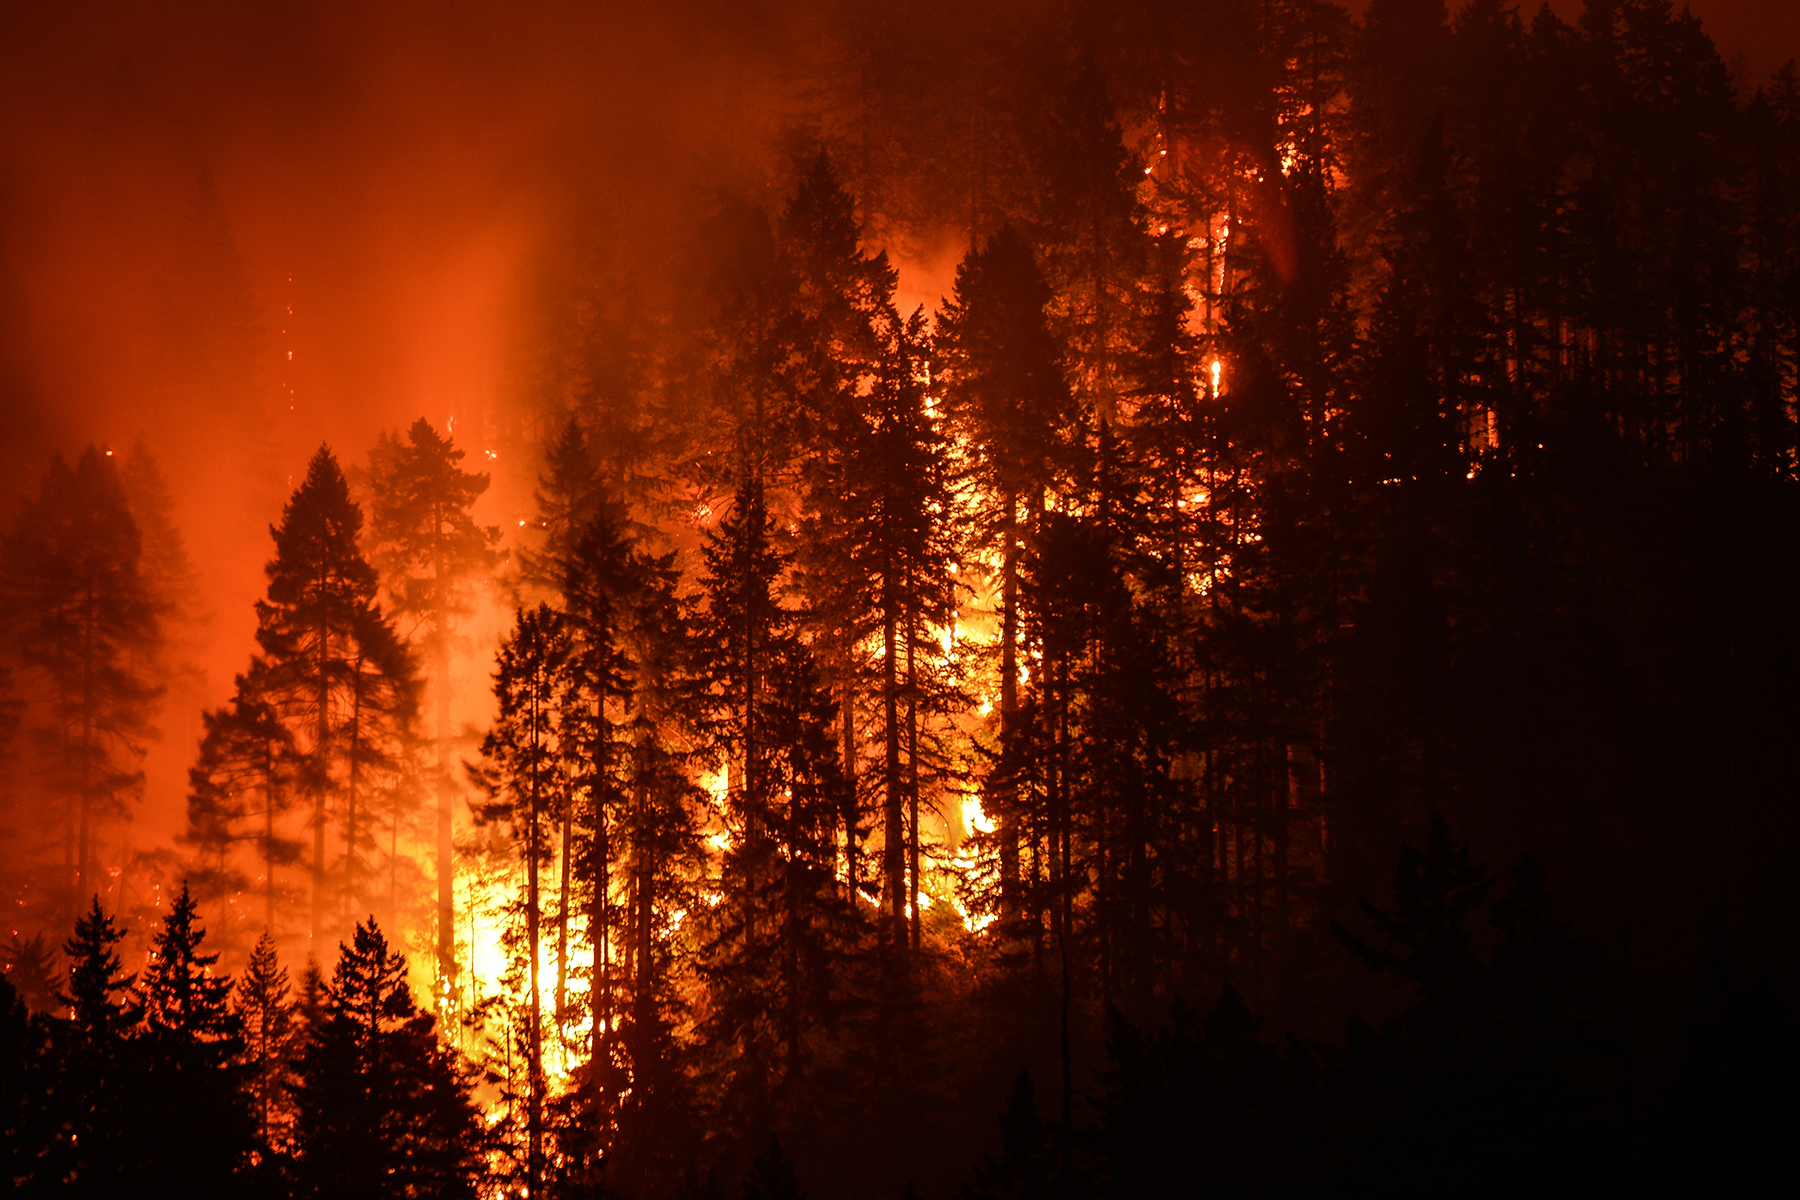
912	781
1007	818
852	813
562	923
446	856
535	1151
893	849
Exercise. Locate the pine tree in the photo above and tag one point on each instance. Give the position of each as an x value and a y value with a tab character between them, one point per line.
846	301
1096	248
665	872
337	672
568	494
73	600
384	1108
173	583
433	555
202	1128
1025	1168
772	1176
28	968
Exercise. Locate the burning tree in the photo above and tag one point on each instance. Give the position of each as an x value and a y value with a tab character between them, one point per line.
526	782
433	556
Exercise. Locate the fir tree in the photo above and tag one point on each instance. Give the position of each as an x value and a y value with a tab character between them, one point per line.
780	922
601	580
1004	392
272	1033
772	1176
74	602
239	788
384	1108
201	1128
100	1102
25	1083
337	672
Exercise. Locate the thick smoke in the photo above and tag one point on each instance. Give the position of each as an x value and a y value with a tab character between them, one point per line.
240	231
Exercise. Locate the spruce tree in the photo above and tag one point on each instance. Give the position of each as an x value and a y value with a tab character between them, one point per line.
889	556
780	928
845	298
26	1080
601	579
433	556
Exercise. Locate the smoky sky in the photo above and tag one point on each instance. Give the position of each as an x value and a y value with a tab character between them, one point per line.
241	229
385	171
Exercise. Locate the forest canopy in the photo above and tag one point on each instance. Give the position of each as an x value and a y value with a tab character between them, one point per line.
792	724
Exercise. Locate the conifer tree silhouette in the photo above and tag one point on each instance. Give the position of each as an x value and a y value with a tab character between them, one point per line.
273	1039
73	599
433	556
384	1108
202	1128
101	1101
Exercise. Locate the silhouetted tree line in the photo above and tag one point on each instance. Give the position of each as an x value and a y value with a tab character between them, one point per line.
1332	422
1509	1069
176	1080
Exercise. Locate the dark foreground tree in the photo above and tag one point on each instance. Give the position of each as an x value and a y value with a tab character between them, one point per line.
25	1130
272	1043
99	1098
384	1108
199	1126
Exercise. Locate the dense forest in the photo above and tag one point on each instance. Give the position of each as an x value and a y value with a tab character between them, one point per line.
1280	680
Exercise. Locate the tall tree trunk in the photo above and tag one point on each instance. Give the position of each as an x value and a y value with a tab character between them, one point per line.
912	779
321	774
893	849
268	839
1007	817
852	812
599	1000
535	1151
562	922
446	857
349	896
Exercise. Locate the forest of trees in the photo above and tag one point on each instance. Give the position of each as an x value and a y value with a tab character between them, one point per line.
1342	437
